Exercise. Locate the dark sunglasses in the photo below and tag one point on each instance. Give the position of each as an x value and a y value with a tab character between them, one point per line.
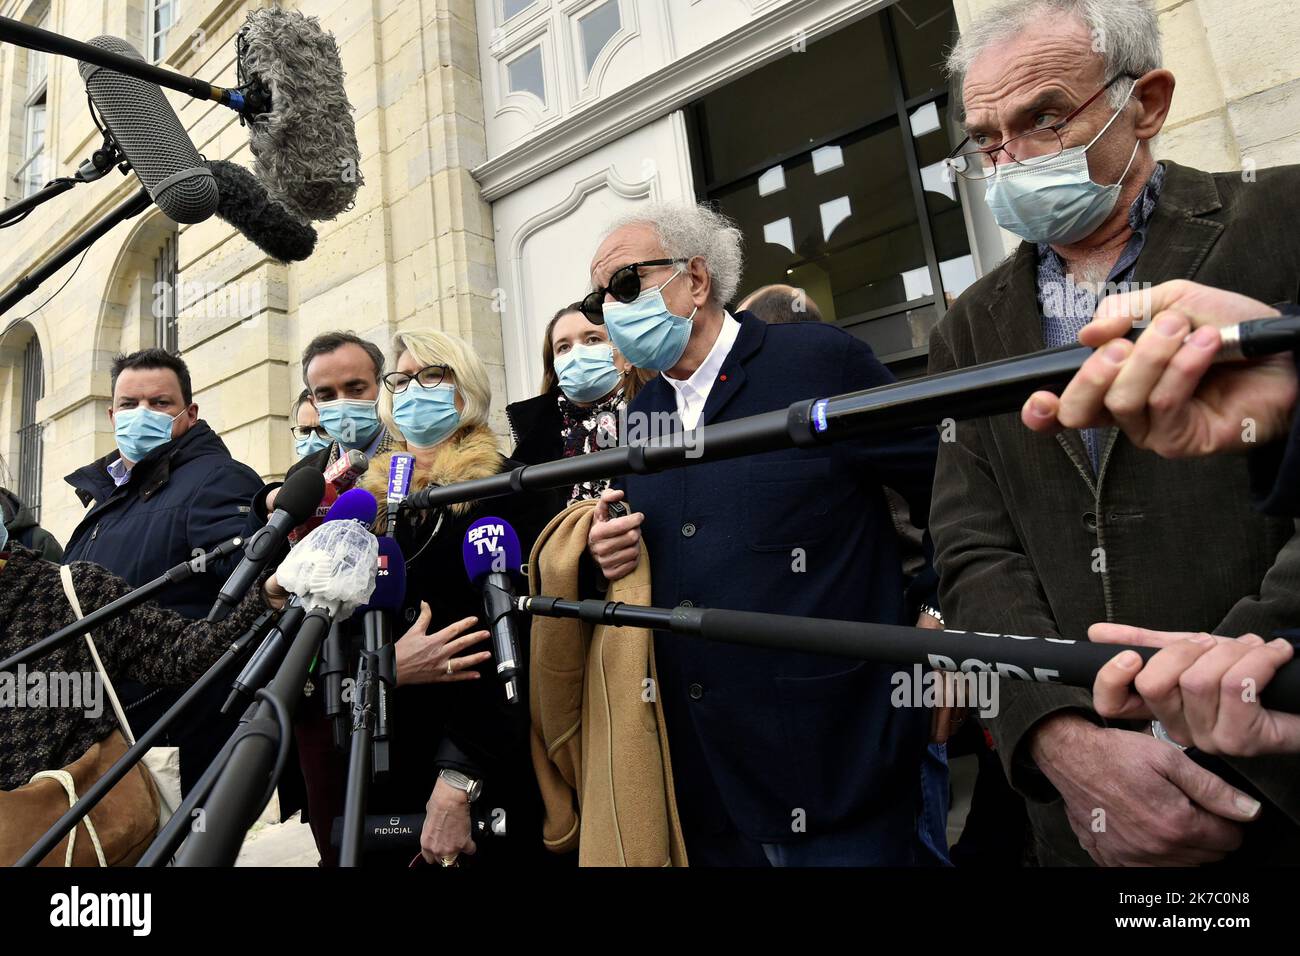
624	286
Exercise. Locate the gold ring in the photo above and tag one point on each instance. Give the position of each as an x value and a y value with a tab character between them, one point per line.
447	861
449	667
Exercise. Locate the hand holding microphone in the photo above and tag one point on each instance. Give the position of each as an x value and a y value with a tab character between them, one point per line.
1165	391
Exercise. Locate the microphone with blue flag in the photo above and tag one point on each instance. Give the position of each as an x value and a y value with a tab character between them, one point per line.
491	553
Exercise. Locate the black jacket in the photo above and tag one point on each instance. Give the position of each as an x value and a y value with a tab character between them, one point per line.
187	495
754	732
535	424
22	527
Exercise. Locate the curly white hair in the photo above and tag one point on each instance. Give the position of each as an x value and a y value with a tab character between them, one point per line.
687	230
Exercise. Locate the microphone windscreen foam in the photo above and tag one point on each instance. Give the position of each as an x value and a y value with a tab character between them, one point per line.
356	504
151	137
490	545
390	580
306	146
301	493
246	205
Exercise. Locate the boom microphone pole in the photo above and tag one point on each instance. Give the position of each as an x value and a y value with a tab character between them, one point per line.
182	572
989	389
127	209
1049	660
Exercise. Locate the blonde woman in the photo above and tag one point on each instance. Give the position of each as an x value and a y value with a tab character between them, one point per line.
460	729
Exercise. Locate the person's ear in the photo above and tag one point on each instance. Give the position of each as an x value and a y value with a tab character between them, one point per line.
1154	93
700	280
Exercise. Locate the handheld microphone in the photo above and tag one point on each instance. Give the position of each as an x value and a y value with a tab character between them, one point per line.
306	146
151	137
491	552
334	567
390	590
340	477
400	469
245	204
296	500
260	668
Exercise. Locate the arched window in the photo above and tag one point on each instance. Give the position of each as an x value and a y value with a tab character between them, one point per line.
22	370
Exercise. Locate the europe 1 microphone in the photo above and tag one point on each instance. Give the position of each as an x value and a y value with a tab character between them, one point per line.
296	500
491	552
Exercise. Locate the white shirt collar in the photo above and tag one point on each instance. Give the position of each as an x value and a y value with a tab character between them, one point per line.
693	392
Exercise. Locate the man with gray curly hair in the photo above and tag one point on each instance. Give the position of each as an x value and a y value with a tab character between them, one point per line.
1062	100
778	757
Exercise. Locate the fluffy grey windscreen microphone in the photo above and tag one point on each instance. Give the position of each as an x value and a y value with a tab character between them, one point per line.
151	137
305	148
246	205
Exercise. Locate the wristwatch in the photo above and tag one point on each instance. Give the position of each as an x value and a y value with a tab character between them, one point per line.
467	785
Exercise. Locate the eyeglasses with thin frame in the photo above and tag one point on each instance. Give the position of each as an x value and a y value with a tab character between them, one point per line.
1030	149
303	432
624	285
430	376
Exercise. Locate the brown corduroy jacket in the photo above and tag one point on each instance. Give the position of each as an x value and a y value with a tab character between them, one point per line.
1029	540
599	743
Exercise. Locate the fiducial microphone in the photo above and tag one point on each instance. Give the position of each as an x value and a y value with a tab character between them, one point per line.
491	553
377	637
150	135
340	477
245	204
305	147
295	501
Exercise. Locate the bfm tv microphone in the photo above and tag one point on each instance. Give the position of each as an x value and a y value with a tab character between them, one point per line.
151	137
246	205
491	553
296	500
377	637
306	146
340	477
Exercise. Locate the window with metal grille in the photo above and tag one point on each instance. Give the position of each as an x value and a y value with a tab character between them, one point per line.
164	296
30	445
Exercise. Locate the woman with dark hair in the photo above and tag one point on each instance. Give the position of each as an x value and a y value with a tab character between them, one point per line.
586	384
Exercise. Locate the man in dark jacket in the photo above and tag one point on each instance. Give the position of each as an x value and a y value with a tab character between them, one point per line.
778	757
1046	536
1159	393
168	491
22	527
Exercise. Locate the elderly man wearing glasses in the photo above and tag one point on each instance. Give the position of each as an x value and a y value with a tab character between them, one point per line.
1045	535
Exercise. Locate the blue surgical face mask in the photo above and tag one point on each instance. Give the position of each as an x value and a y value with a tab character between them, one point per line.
141	430
310	445
648	335
1055	201
352	422
4	537
587	372
425	416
